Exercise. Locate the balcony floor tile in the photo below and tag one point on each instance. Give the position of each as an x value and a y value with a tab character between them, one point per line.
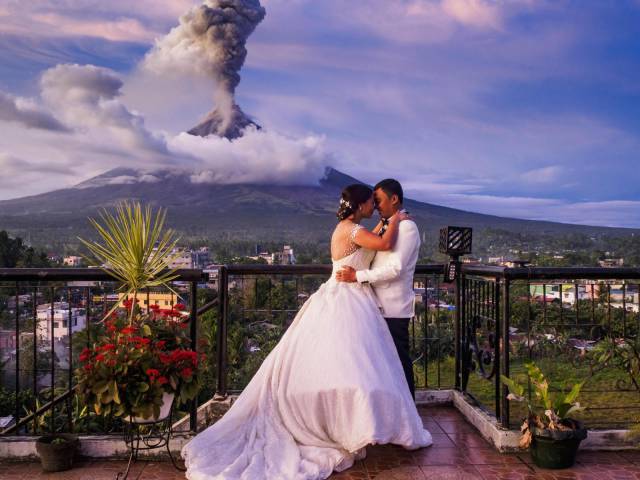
458	453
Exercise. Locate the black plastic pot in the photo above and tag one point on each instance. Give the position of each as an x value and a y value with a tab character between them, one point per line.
56	457
557	448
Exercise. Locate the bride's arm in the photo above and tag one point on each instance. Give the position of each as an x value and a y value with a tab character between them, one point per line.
370	240
377	228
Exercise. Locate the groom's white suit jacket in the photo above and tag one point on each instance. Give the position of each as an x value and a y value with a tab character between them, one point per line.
391	273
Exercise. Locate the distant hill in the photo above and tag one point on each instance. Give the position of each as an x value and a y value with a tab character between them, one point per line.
248	212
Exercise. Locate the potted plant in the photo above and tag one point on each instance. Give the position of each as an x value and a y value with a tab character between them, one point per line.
141	360
550	434
136	370
57	451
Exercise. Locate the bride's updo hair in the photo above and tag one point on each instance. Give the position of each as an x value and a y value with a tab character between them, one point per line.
352	197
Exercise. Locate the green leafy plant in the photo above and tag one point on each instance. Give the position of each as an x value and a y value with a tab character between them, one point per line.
625	356
551	410
129	368
137	250
139	355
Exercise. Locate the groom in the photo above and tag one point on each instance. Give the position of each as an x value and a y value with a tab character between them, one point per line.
391	273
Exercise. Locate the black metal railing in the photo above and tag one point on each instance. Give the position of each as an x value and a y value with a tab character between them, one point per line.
556	317
53	314
464	335
261	320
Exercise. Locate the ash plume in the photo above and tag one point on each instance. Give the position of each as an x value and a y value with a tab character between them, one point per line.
211	40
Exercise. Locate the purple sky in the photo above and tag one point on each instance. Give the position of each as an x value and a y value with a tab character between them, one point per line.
525	108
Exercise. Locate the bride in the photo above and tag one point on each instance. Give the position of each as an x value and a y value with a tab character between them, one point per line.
332	385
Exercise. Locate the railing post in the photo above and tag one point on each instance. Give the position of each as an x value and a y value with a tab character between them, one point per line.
193	321
17	342
506	317
496	348
223	313
458	291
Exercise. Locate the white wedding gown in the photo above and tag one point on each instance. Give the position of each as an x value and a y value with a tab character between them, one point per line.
332	385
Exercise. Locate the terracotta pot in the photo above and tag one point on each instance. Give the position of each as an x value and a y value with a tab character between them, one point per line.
56	457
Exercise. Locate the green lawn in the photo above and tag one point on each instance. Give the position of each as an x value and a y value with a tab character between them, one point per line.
609	402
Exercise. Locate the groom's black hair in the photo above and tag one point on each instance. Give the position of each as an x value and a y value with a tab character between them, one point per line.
390	187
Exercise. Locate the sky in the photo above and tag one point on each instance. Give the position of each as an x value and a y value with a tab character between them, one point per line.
520	108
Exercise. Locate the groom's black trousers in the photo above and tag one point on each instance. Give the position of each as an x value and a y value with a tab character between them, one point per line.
399	328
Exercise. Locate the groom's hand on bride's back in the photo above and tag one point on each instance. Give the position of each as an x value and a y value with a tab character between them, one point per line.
347	274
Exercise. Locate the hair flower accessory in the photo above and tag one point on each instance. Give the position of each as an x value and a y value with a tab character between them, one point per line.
345	203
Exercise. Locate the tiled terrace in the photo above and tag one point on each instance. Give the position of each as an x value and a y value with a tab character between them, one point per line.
458	453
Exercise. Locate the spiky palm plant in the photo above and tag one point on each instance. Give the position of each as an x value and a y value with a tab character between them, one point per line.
136	249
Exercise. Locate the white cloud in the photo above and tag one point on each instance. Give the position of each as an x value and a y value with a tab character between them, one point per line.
476	13
256	157
610	213
107	134
85	96
27	113
116	20
548	174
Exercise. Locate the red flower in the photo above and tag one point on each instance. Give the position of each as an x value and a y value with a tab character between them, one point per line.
179	306
162	380
186	372
111	328
152	372
111	363
165	359
85	354
128	330
108	347
99	357
160	344
140	341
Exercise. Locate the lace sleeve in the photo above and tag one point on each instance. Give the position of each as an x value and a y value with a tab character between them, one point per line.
354	232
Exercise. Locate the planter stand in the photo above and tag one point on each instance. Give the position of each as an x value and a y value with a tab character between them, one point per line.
147	435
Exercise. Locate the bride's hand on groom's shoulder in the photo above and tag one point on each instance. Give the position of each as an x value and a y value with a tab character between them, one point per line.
403	216
347	274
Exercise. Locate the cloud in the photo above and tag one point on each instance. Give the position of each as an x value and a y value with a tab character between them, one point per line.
11	165
115	21
86	96
476	13
610	213
29	114
107	134
120	30
259	156
548	174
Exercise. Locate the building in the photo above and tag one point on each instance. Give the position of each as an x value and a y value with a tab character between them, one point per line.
62	314
618	294
22	300
471	260
164	300
284	257
200	258
181	259
212	274
7	339
72	261
611	262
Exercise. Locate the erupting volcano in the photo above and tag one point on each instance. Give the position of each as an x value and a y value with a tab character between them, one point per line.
211	39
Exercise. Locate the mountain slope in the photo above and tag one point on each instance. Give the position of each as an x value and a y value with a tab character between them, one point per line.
246	212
